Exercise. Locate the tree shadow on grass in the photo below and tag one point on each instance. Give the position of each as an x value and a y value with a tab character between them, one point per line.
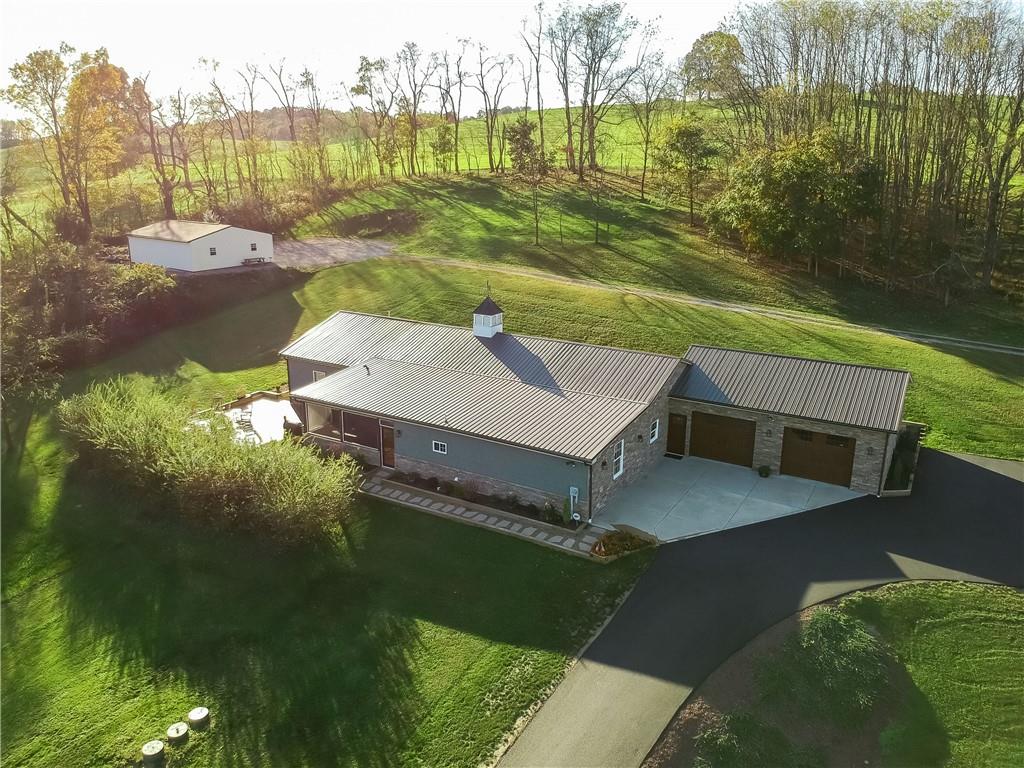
306	653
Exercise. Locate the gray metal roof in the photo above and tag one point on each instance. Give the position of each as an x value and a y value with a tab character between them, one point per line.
177	230
346	338
572	424
560	397
841	393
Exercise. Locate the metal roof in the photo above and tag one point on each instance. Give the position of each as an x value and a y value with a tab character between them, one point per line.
177	230
841	393
572	424
560	397
346	338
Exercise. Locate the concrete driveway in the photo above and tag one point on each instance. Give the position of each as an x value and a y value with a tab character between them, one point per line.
321	252
706	597
686	497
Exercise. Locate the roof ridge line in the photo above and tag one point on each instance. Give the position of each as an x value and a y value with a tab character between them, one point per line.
796	357
364	361
514	335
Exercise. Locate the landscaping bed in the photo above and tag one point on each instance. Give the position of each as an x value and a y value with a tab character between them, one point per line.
949	696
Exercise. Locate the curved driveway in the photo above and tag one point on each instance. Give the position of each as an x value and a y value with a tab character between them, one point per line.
705	598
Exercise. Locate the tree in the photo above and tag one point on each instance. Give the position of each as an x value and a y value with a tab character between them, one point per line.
561	34
647	97
147	118
529	163
533	38
490	81
711	65
799	199
686	155
416	71
443	147
449	85
381	95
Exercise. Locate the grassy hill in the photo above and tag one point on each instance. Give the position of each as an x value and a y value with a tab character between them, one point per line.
488	221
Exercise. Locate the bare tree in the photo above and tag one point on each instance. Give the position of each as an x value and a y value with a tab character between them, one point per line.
285	90
561	33
533	38
381	94
490	81
416	70
147	117
647	97
449	85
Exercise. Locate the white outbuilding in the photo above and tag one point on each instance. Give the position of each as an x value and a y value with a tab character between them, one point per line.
196	246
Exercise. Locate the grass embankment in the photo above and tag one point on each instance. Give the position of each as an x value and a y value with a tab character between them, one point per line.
936	666
418	642
488	221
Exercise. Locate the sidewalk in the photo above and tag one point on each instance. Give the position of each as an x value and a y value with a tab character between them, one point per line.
576	542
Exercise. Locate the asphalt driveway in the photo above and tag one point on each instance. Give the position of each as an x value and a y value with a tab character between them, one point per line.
704	598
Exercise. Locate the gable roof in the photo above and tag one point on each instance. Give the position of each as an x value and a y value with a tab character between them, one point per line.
177	230
841	393
560	397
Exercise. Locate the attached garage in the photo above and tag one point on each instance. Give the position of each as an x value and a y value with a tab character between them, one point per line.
722	438
818	456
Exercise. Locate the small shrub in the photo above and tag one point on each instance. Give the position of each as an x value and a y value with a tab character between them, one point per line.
764	470
283	489
832	666
615	543
741	740
70	226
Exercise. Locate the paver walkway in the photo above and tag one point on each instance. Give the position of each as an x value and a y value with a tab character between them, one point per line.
576	542
704	598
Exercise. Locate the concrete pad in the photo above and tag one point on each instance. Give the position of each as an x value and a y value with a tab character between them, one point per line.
825	494
783	489
759	510
696	520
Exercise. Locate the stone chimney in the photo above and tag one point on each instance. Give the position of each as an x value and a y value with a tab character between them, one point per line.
487	319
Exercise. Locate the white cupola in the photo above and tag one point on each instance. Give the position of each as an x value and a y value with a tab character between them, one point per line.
487	319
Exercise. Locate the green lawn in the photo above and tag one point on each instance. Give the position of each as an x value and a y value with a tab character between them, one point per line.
487	220
963	648
418	643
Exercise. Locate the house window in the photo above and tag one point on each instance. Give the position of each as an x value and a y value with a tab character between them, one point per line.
618	459
655	430
836	440
252	246
440	447
213	251
317	375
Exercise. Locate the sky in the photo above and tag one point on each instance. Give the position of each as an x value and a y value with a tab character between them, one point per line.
166	39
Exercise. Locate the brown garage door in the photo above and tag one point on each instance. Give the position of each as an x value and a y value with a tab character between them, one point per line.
817	456
722	438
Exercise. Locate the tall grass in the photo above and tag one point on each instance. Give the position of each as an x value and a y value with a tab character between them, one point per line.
124	427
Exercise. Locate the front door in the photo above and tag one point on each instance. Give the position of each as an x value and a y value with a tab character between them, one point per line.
387	446
676	434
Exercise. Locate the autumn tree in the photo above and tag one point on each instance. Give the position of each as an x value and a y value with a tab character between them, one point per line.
648	97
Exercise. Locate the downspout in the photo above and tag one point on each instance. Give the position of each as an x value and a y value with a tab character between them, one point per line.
590	493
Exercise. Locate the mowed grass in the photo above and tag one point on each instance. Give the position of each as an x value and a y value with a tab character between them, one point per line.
418	642
963	649
490	221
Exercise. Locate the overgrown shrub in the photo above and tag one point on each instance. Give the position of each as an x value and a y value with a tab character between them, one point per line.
277	215
615	543
70	226
742	741
283	489
832	666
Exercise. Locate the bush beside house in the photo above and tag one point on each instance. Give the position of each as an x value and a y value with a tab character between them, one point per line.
284	489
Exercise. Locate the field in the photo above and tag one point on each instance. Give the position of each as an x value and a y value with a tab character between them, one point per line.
117	619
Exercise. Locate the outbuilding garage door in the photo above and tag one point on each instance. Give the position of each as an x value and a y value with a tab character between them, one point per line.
818	456
722	438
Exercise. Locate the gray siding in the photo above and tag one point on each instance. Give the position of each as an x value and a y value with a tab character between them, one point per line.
518	466
300	372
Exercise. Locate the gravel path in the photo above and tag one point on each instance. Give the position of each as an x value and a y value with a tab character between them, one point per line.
320	252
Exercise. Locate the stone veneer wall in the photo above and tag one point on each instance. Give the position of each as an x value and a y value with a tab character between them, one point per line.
639	451
490	486
871	455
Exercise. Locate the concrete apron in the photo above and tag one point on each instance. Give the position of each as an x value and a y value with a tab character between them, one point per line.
680	498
